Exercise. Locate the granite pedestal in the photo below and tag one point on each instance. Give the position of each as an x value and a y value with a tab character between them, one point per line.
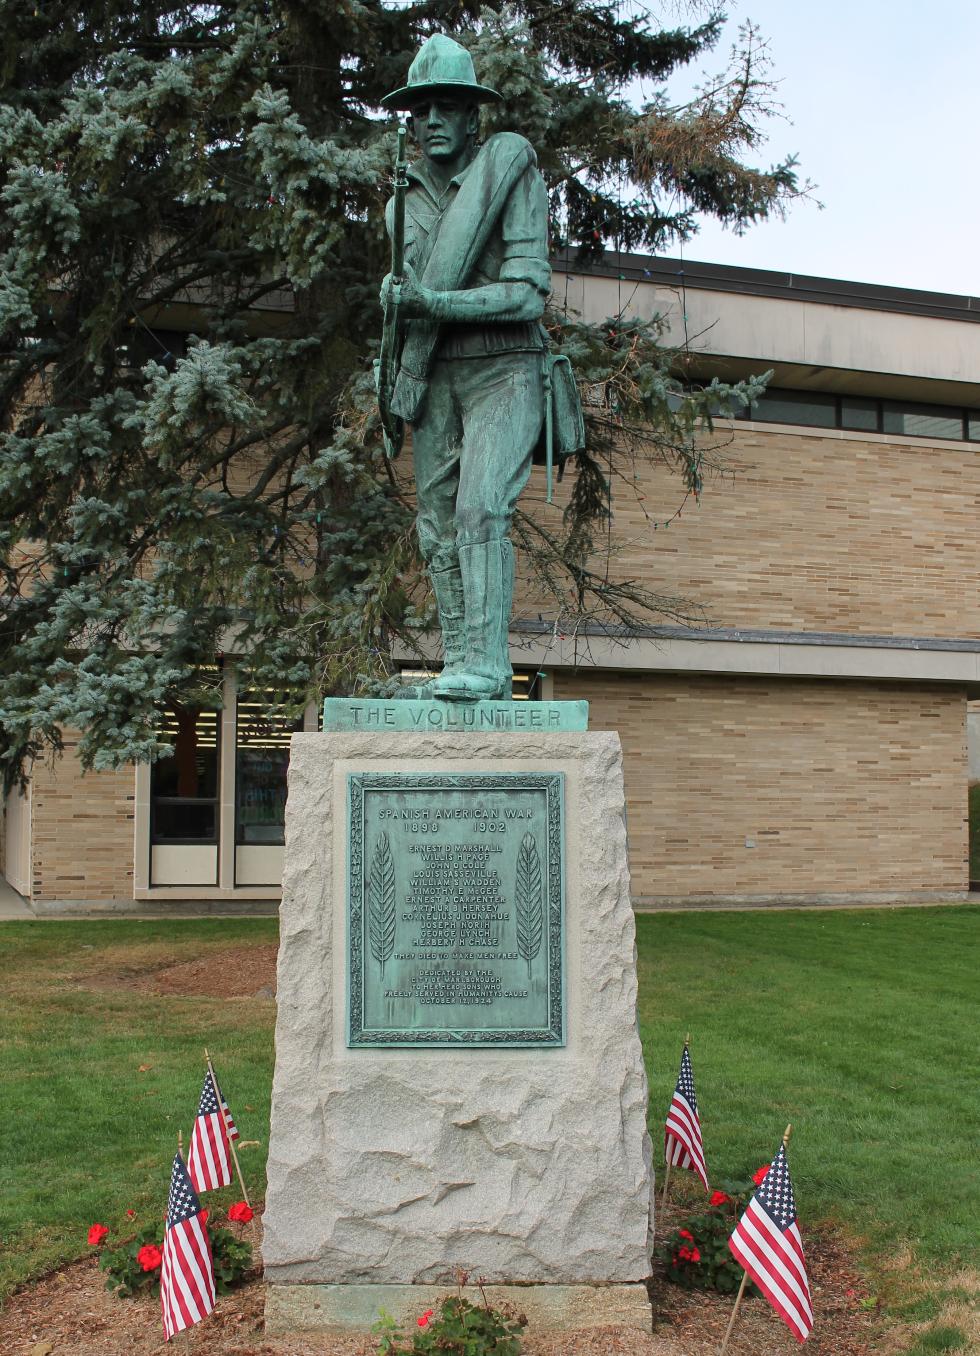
510	1139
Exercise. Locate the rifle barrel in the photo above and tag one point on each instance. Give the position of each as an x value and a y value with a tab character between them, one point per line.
388	363
401	188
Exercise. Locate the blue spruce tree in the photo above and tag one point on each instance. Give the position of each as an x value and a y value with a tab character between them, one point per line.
191	241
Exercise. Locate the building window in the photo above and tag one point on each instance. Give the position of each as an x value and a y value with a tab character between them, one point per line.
261	762
816	409
859	412
184	786
210	817
923	421
796	407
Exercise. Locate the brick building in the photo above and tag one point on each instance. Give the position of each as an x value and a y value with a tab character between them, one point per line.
808	740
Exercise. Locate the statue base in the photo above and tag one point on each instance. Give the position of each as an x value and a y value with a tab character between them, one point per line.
422	716
547	1308
459	1081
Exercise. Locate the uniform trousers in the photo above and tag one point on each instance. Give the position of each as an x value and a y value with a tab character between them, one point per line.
472	450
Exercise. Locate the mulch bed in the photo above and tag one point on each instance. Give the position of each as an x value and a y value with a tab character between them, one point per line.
70	1313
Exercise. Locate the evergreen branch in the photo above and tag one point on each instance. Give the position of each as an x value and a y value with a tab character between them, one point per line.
185	165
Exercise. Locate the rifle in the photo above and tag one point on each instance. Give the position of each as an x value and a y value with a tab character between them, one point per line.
386	368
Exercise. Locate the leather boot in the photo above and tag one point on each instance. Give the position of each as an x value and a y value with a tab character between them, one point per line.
447	585
448	588
488	588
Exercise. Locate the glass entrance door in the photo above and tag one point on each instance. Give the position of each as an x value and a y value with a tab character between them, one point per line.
261	761
184	819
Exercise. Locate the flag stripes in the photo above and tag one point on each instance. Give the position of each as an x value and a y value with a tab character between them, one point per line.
186	1285
776	1269
209	1155
767	1243
230	1125
187	1271
683	1147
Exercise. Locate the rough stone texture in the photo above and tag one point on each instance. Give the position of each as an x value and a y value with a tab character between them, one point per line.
397	1166
347	1308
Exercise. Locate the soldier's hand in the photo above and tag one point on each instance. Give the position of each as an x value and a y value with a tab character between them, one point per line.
414	300
387	288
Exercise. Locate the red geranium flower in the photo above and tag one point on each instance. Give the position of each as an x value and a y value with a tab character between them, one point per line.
683	1233
719	1198
130	1214
423	1322
759	1176
149	1257
689	1255
96	1234
240	1212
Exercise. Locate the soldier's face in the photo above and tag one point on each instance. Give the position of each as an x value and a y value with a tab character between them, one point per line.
443	127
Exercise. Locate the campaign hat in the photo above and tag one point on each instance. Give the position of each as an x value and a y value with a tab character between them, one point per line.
441	67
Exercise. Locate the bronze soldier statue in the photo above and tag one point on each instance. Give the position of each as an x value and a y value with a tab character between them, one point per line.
473	364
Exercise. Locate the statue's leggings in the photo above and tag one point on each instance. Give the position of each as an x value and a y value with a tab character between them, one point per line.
472	449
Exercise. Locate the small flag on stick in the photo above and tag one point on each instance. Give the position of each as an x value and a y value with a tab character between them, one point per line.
682	1132
209	1156
229	1124
766	1241
187	1271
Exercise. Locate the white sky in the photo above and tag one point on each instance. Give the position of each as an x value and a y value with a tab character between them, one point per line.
883	98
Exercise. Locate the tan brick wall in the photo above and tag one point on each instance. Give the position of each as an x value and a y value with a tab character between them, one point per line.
814	533
83	830
843	787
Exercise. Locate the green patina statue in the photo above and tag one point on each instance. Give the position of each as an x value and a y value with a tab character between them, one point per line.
470	369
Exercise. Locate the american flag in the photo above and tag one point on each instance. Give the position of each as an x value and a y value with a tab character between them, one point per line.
230	1125
209	1158
682	1133
187	1272
767	1243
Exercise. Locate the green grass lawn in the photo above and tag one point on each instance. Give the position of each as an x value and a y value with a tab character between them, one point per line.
86	1134
859	1027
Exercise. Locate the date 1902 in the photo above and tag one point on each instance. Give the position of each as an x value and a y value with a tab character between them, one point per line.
422	826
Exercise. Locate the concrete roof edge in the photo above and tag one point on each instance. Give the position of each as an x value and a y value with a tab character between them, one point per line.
770	658
670	272
759	636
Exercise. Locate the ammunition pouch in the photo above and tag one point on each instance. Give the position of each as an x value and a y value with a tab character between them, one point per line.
563	431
